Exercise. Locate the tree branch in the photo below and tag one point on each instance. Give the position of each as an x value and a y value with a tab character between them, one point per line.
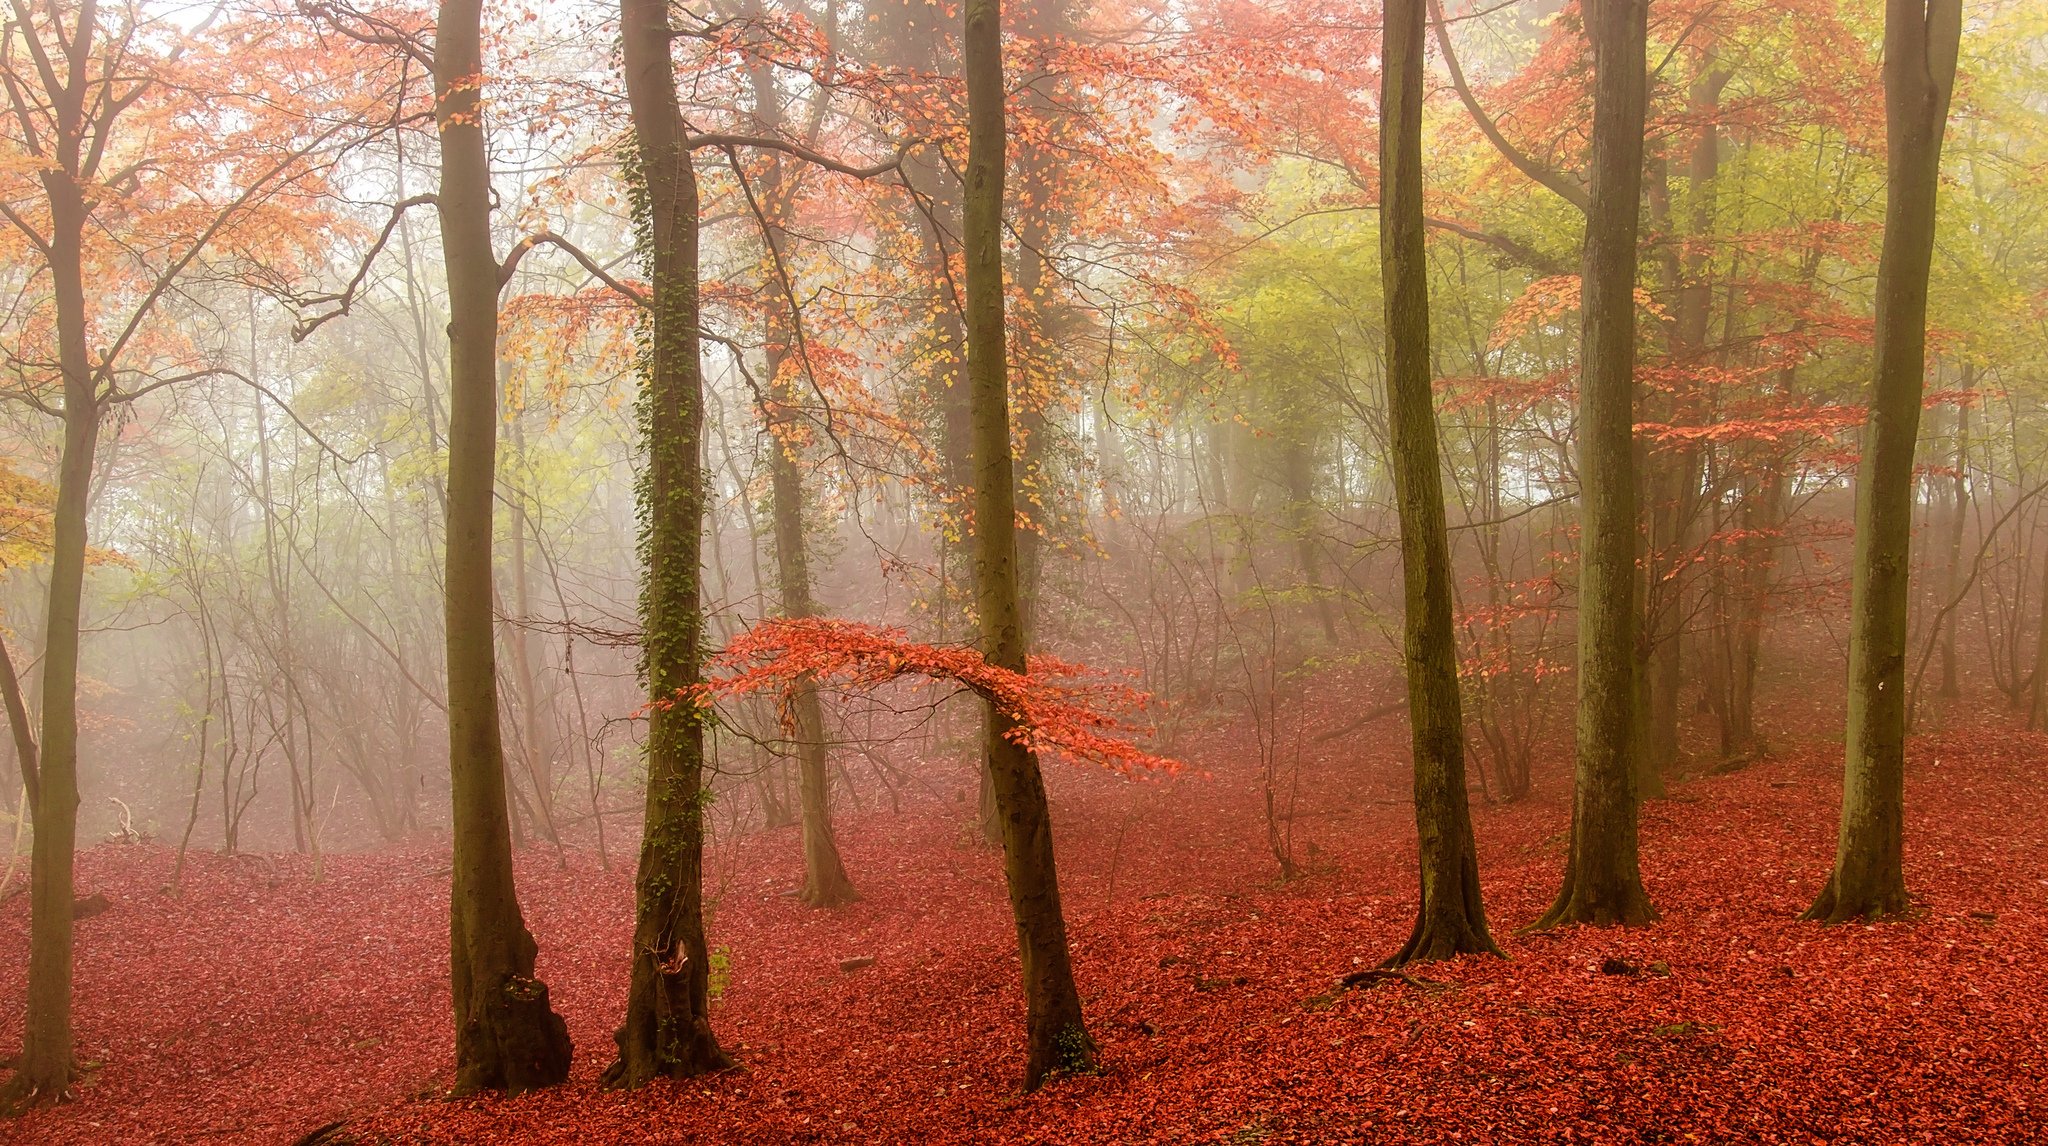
1571	192
346	298
549	239
817	158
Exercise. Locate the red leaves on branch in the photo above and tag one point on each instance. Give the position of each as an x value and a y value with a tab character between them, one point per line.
1059	707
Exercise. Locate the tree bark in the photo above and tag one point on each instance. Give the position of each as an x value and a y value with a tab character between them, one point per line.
1450	918
18	726
1603	883
1958	524
825	880
1056	1039
506	1035
48	1064
1921	39
667	1027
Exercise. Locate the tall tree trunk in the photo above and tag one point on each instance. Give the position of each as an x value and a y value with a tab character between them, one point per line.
1958	524
1603	883
1450	918
667	1028
506	1035
2037	703
825	881
1055	1036
1921	38
48	1066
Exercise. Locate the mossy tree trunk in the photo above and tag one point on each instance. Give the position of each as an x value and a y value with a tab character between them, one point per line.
1921	39
1602	882
667	1027
1055	1036
1450	919
506	1035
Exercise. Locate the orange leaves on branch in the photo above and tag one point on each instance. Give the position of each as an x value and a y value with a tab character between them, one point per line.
1545	301
1059	707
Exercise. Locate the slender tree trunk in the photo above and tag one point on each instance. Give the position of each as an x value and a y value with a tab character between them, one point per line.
1450	919
667	1027
506	1036
2037	703
1958	524
1603	883
18	725
1055	1036
825	880
48	1066
1921	39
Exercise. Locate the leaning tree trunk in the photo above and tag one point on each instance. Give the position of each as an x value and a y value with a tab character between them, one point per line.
1602	882
1921	38
506	1035
1450	919
1055	1036
48	1065
667	1029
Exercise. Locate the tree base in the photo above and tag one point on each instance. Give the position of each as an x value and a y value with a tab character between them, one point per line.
1627	906
827	893
698	1055
35	1086
1875	905
519	1043
1447	938
1069	1051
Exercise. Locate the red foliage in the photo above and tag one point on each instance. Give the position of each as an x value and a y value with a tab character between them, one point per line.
1059	707
260	1005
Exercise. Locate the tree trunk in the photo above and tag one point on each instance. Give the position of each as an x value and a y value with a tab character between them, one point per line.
825	881
48	1066
1921	39
1958	524
506	1035
1450	918
1055	1035
1603	884
18	726
667	1028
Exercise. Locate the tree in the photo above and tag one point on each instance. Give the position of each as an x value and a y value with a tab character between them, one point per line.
142	156
667	1028
1056	1038
1603	884
506	1035
1921	42
825	881
1450	919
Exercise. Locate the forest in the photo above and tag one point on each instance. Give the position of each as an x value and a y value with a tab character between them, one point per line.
1024	571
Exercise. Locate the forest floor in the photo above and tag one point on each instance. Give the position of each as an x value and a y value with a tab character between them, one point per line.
258	1005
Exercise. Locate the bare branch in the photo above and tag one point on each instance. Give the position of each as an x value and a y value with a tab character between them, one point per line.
346	298
549	239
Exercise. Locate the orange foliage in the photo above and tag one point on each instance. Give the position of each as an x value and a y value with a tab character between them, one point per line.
1058	707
